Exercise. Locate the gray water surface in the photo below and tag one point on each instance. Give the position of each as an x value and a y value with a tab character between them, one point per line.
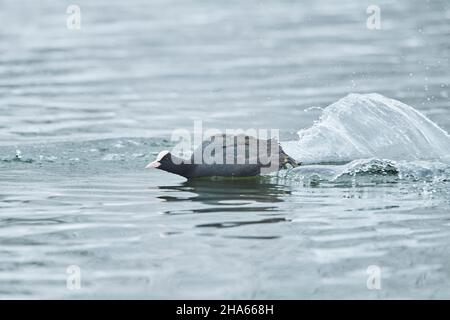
82	113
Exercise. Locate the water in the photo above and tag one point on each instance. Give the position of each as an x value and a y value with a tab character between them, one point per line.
82	112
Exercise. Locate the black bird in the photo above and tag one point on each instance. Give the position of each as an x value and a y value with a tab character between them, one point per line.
227	156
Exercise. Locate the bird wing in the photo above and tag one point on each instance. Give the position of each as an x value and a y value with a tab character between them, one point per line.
239	149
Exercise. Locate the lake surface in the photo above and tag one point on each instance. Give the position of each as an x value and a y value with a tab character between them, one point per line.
83	111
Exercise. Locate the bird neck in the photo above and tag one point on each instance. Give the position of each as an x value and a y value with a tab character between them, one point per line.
179	167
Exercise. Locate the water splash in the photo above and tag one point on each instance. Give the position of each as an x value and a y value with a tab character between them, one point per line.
361	126
370	171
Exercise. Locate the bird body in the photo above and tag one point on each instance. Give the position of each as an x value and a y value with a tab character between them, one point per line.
227	156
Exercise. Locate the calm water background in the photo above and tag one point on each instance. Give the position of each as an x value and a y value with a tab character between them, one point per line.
82	112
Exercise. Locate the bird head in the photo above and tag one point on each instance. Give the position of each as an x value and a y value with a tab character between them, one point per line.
163	159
